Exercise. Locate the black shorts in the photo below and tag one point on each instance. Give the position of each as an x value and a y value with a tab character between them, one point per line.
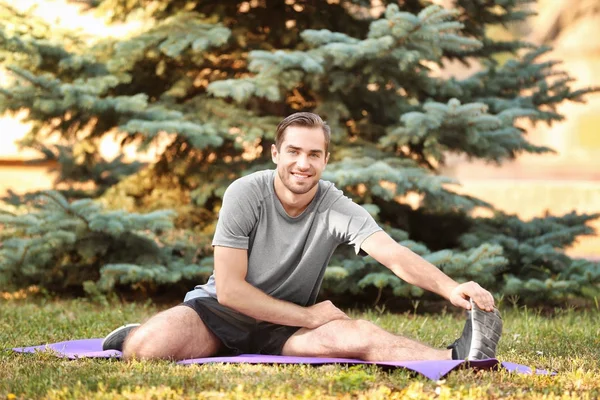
238	333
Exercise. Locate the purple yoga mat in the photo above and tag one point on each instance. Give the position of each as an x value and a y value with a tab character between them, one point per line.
435	370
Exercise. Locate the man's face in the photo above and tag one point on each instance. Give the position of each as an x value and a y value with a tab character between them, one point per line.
301	158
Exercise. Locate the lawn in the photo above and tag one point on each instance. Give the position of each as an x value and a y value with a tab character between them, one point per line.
566	341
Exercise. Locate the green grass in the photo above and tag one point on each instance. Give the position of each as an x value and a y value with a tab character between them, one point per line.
566	341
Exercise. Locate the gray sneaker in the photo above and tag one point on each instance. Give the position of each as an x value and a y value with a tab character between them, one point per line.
115	339
480	335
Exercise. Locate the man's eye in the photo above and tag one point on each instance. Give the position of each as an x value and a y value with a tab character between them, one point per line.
292	151
314	155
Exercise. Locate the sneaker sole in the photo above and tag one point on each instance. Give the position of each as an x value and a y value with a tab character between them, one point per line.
487	330
111	334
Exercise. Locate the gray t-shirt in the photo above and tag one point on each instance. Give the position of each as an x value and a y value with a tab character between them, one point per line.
287	256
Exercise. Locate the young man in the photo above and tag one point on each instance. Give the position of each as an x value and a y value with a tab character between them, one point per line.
275	235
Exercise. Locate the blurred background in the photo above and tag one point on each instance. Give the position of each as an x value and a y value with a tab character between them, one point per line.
530	186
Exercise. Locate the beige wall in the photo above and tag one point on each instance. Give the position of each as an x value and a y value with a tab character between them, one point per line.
14	174
22	179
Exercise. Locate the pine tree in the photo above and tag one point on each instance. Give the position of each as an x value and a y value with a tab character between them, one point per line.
213	79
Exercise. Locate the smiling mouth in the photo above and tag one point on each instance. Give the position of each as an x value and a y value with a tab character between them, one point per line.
300	176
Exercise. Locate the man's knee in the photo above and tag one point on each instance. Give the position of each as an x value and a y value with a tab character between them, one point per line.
359	327
156	339
349	334
177	333
364	326
365	331
141	345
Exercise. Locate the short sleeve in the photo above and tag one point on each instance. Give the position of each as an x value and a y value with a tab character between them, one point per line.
237	217
351	223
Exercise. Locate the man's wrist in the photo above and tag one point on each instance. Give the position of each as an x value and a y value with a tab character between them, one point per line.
308	318
448	289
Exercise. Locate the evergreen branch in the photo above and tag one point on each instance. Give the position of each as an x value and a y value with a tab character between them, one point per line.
24	254
6	93
59	201
31	78
6	212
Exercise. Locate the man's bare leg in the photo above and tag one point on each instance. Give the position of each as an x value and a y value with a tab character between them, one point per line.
175	334
359	339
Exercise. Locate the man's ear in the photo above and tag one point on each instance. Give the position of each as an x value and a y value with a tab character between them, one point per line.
274	153
326	160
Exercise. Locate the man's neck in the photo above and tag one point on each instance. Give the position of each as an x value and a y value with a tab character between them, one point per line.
293	204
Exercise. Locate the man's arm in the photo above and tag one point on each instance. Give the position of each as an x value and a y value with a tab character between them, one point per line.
231	267
413	269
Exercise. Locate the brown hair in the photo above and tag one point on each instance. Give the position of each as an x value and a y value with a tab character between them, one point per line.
305	119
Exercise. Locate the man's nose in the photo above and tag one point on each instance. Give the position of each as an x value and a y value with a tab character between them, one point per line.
302	162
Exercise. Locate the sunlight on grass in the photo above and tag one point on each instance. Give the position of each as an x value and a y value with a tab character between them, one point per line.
19	294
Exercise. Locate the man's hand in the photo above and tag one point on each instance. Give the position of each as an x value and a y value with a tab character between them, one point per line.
322	313
461	294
